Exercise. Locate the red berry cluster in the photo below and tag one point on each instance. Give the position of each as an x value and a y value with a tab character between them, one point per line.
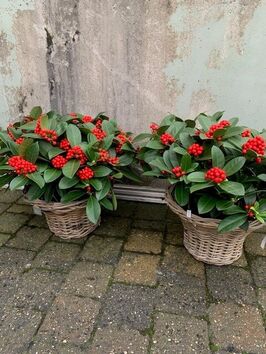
11	135
47	134
85	173
59	162
21	166
73	114
216	175
178	171
246	133
154	127
87	119
19	141
76	153
118	148
257	144
197	132
249	212
113	160
195	149
222	124
99	123
75	121
99	133
64	144
104	155
258	160
122	138
167	138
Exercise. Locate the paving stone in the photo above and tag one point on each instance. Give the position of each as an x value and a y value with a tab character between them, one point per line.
30	238
262	229
124	209
181	294
70	319
38	221
9	280
113	340
177	259
258	270
44	345
128	306
174	234
4	238
88	279
241	262
55	255
262	299
149	211
17	327
137	269
253	244
144	241
230	284
149	225
78	241
22	201
15	258
10	222
236	328
179	334
3	207
113	227
102	249
8	196
20	209
37	289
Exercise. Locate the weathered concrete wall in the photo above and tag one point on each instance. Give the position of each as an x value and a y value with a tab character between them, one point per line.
135	60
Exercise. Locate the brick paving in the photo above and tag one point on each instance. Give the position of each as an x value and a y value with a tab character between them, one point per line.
131	287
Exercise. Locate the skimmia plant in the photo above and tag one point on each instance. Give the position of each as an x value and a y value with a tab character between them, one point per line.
66	158
217	168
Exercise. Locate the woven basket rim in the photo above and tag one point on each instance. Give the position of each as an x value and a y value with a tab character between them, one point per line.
211	222
58	206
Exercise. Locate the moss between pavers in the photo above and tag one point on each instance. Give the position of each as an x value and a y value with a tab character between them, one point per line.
144	241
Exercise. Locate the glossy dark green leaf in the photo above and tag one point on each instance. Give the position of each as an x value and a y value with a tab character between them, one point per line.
51	174
205	204
218	159
181	194
234	165
73	135
70	168
17	182
93	209
232	222
234	188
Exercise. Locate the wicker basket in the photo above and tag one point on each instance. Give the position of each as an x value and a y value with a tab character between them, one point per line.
203	241
68	221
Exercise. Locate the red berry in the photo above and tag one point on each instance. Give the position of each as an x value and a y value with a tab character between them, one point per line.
222	124
215	174
85	173
195	149
87	119
19	141
76	153
257	144
99	133
113	160
178	171
21	166
59	162
246	133
104	155
167	138
154	127
64	144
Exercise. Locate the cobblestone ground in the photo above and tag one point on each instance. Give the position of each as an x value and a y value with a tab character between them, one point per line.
129	288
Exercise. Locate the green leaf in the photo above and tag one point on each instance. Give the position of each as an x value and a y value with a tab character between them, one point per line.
5	179
167	159
108	127
18	182
234	165
32	152
73	135
54	151
186	140
96	184
204	121
37	178
262	177
223	204
186	162
107	204
114	200
181	194
199	186
128	173
196	177
66	183
141	137
232	131
180	150
175	128
106	186
216	116
102	171
217	157
72	195
234	188
231	222
93	209
70	168
29	126
234	209
155	145
48	194
159	163
36	112
205	204
45	123
35	192
51	174
107	141
126	159
44	148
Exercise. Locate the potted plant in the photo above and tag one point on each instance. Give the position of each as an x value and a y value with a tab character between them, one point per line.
216	171
66	166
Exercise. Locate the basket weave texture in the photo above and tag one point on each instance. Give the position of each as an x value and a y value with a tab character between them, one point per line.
202	239
67	221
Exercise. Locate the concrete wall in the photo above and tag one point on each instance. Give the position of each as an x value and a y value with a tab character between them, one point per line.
135	60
